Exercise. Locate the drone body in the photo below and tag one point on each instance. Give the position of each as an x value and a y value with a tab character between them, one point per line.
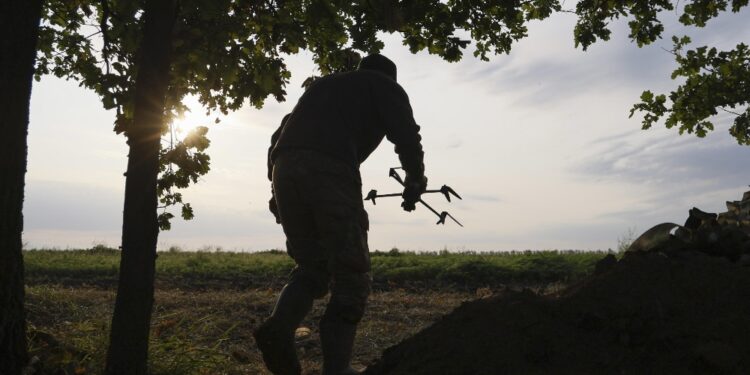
446	190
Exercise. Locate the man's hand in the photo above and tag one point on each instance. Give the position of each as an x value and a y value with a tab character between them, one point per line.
274	209
413	189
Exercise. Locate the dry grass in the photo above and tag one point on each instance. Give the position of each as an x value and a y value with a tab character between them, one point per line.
209	332
207	304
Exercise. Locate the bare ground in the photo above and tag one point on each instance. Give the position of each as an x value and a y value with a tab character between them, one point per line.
209	332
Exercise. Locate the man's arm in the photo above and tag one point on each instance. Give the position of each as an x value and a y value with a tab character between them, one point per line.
401	130
274	138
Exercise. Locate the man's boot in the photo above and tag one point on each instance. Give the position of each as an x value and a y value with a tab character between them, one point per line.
275	337
337	341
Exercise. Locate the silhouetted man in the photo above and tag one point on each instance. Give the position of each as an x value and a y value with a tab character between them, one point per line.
317	197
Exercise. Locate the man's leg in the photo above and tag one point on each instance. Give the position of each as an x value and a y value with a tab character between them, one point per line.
330	191
308	281
338	327
275	337
349	265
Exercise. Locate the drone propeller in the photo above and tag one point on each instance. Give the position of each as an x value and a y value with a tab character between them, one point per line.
445	214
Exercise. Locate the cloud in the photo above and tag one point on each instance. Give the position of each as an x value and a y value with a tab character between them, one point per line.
79	215
545	69
673	174
714	161
69	206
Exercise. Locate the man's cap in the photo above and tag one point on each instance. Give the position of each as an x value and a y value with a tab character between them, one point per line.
378	63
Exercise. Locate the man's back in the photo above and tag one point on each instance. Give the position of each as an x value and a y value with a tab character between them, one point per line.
346	116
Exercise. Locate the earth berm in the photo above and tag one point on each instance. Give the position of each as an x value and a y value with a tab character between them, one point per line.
648	313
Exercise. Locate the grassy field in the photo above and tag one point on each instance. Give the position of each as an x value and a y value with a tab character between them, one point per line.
207	304
443	270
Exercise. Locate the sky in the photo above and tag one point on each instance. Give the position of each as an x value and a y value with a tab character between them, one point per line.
538	143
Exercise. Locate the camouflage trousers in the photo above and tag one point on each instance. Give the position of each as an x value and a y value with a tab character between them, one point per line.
321	209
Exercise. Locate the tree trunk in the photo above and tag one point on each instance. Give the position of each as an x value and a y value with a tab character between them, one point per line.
128	346
19	25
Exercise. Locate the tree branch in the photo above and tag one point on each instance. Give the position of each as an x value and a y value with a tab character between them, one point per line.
728	111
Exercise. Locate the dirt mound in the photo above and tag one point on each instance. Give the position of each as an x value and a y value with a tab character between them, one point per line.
688	313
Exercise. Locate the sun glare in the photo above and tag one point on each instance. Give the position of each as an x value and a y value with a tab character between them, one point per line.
190	120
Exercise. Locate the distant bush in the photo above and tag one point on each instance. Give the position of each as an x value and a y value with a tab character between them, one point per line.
627	238
102	249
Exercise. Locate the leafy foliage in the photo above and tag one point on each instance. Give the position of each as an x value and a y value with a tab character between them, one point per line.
595	15
714	80
191	162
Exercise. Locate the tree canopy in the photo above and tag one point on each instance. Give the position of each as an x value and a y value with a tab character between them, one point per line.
226	52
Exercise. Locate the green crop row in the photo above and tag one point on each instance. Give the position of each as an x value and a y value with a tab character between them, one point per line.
99	266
